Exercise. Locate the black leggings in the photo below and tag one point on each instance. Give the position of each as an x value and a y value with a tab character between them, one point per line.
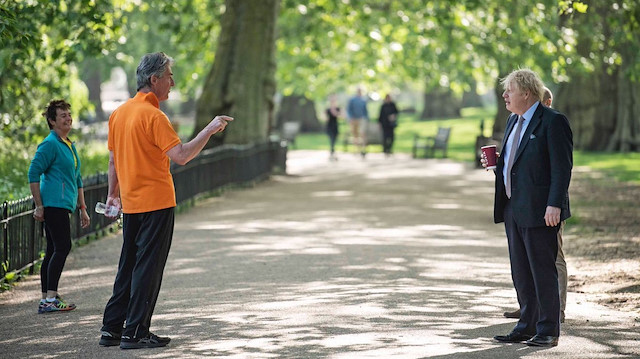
57	228
332	141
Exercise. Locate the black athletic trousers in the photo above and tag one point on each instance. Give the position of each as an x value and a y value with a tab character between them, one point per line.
147	239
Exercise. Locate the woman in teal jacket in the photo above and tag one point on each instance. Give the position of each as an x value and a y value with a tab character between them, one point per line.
56	185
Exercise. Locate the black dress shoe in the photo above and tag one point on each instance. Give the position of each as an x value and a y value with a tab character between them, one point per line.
515	314
513	337
543	341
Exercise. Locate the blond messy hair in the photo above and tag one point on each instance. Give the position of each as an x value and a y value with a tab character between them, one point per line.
526	81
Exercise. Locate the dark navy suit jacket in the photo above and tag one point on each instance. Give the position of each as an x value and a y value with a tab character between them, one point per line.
541	169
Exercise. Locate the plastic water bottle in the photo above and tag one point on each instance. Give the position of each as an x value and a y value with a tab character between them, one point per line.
109	211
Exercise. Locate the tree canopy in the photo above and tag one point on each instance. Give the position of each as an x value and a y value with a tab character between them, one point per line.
39	44
321	46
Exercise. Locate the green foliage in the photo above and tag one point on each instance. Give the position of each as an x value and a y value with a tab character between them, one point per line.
329	46
569	6
186	30
323	46
607	36
10	277
16	158
94	156
38	45
332	46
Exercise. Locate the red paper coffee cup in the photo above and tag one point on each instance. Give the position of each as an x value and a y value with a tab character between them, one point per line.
490	155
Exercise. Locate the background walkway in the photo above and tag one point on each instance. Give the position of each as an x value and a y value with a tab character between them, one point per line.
383	258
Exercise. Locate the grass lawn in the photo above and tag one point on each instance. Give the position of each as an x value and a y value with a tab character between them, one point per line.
464	130
623	166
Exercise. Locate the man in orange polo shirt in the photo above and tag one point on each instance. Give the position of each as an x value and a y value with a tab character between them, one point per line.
141	142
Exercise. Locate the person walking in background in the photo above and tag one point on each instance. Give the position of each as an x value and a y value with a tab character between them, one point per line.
358	119
561	264
388	120
333	113
56	185
141	141
531	198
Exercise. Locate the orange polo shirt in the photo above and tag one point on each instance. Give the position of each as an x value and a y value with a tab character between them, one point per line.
139	137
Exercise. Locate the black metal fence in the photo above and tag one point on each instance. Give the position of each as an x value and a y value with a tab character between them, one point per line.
23	240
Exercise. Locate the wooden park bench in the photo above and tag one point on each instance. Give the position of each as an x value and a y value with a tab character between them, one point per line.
428	145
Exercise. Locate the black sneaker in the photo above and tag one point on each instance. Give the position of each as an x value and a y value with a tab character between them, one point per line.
150	341
109	339
165	340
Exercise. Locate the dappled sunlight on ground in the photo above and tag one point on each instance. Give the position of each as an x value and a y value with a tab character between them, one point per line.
382	258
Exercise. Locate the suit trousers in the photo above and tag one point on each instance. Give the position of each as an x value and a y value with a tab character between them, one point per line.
561	266
147	239
532	252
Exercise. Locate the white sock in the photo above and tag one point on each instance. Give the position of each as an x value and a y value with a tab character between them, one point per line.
51	300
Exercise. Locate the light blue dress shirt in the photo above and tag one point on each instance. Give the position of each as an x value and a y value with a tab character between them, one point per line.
507	147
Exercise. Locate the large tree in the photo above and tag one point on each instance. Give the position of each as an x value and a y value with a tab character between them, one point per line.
186	30
601	94
514	34
322	47
241	82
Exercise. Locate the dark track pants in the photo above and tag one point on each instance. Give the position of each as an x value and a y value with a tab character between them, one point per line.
387	138
57	228
147	239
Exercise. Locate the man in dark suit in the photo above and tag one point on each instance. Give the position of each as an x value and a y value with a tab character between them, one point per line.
561	264
532	183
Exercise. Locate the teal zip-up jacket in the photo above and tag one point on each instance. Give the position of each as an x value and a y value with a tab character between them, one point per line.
54	167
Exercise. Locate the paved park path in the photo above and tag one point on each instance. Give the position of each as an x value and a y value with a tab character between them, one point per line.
381	258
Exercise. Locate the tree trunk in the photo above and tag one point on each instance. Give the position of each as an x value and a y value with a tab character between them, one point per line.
603	106
589	102
441	102
241	82
93	79
471	99
300	109
500	122
626	136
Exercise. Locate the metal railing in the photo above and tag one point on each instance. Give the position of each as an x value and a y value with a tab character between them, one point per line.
22	238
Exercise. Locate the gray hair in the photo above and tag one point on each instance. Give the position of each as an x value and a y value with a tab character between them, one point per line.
525	80
152	64
547	94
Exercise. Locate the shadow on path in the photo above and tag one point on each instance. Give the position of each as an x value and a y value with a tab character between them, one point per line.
383	258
